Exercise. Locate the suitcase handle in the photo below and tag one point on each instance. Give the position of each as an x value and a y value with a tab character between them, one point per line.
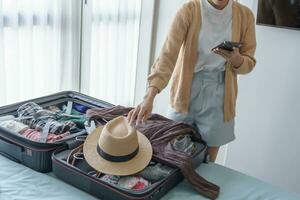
11	151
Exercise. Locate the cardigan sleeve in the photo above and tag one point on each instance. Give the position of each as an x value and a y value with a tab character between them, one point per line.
249	47
163	67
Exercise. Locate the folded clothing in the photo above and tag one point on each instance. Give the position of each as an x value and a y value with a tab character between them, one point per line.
155	172
14	125
80	108
133	183
10	123
55	126
7	117
127	182
76	117
37	118
184	144
36	135
110	179
62	116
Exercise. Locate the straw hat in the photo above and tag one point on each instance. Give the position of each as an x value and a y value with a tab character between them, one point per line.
117	149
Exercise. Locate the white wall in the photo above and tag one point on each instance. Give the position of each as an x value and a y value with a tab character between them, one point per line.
267	123
268	104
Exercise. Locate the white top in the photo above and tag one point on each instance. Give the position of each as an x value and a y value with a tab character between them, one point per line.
216	27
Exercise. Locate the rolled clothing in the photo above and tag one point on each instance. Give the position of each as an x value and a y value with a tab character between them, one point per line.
36	118
28	109
7	117
133	183
36	135
55	127
14	125
76	117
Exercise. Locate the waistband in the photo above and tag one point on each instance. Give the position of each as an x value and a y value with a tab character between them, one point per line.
216	76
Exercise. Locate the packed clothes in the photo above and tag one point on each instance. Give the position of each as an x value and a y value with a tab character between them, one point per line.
153	173
110	179
36	135
127	182
14	126
37	118
184	144
45	125
7	117
133	183
161	132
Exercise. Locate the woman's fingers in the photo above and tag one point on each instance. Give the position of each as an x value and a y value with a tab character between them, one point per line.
226	54
134	114
129	116
141	112
140	115
146	116
217	51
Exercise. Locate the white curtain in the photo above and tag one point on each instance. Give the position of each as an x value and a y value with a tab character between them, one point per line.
39	48
113	50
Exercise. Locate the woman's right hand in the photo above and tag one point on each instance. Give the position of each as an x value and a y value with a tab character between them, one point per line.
143	111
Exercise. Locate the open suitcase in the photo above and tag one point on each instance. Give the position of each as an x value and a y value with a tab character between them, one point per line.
79	176
37	155
44	157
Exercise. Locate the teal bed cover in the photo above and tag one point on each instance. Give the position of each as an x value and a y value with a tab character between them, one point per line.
18	182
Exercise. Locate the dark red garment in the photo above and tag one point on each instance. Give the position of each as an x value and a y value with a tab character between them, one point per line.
161	132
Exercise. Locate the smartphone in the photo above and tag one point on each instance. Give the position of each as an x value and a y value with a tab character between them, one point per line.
229	46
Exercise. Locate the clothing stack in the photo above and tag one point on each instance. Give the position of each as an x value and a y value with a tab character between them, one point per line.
44	125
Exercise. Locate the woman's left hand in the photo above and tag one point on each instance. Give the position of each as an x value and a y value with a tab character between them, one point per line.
234	57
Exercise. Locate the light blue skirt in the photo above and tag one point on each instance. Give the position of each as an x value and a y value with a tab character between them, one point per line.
206	110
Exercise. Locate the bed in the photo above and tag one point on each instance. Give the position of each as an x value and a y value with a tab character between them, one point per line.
21	183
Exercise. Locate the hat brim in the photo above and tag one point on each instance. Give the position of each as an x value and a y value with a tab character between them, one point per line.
133	166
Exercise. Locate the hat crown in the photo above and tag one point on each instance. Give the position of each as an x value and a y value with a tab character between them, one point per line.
118	138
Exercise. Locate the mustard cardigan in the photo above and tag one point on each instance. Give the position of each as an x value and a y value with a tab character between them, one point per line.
178	56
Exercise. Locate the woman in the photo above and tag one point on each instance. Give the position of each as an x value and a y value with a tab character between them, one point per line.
204	81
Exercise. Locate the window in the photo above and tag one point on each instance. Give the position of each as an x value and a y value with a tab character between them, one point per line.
111	33
92	46
39	47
